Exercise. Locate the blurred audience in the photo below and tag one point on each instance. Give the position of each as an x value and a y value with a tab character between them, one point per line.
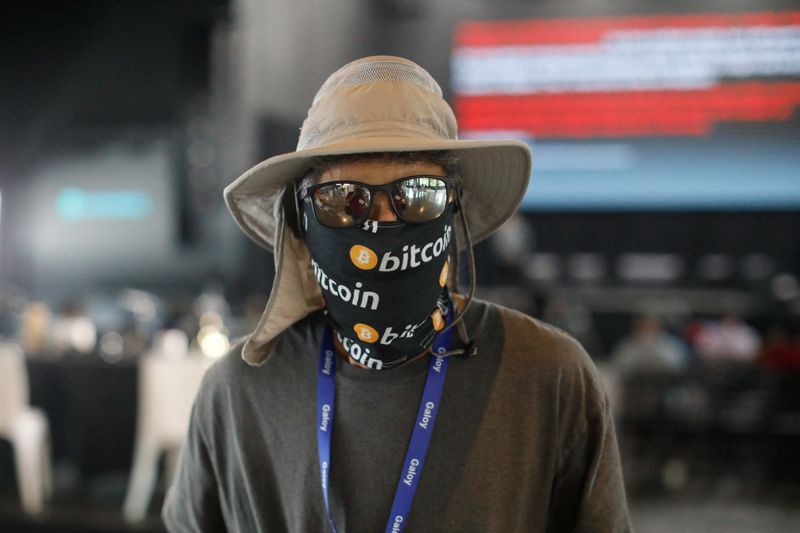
782	349
649	349
728	339
34	326
72	330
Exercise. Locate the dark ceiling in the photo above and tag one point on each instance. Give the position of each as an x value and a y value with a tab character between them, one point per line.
72	67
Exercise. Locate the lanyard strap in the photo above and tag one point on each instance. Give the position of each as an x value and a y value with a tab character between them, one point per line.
420	436
326	384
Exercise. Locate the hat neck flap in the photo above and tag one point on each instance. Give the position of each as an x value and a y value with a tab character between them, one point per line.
295	293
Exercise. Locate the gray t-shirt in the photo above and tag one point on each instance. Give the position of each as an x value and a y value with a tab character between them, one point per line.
524	440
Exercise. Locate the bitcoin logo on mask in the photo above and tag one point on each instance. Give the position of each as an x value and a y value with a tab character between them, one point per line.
365	333
363	257
443	275
438	320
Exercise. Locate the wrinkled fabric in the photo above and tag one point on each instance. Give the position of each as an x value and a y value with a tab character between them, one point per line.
524	440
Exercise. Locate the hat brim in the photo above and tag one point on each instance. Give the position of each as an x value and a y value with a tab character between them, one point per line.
494	174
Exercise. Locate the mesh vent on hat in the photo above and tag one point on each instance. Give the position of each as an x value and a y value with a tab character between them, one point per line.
379	70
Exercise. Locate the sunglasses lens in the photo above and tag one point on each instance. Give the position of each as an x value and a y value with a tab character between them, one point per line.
341	205
420	199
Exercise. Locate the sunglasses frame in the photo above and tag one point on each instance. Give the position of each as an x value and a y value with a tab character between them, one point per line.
305	193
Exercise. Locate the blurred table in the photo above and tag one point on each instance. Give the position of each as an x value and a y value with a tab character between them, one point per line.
719	418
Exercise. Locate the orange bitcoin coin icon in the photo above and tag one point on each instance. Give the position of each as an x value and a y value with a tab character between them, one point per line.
438	321
363	257
443	275
365	333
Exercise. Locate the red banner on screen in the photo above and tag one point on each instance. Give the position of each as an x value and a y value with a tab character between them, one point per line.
672	75
565	31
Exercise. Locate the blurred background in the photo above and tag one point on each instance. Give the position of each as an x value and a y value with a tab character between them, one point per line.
661	229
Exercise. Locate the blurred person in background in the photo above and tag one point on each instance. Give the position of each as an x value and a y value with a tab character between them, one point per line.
649	349
73	330
781	351
34	327
727	339
323	419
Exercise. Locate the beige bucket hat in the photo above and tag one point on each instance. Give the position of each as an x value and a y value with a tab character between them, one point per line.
374	104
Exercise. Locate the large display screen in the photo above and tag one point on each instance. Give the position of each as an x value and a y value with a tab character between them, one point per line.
695	111
100	215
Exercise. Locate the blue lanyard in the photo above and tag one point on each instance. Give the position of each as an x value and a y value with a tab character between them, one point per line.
420	437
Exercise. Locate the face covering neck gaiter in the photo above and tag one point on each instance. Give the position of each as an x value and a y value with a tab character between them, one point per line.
384	285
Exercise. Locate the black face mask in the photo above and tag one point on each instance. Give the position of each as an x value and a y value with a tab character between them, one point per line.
384	284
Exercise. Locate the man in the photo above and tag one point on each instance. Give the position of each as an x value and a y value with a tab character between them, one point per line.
334	415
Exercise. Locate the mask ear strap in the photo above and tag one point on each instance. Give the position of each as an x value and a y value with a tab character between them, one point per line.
470	349
456	278
297	225
455	273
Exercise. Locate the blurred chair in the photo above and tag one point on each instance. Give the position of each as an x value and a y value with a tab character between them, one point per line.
167	387
27	429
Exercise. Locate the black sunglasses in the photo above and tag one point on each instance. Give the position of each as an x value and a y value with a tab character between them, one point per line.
346	204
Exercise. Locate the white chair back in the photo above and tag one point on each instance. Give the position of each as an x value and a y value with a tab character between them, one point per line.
13	385
26	428
168	384
168	388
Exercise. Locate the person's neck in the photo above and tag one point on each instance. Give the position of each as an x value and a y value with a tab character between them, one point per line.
346	356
